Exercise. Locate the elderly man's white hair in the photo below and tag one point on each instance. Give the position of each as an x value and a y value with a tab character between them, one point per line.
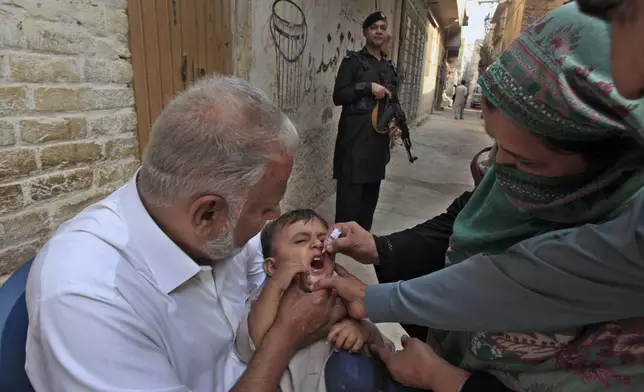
214	138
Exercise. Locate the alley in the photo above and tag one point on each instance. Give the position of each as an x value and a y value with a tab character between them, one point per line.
411	194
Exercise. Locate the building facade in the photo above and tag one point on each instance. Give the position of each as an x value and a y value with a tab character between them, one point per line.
82	81
513	16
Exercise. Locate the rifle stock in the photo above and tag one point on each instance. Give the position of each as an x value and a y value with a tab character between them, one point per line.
401	122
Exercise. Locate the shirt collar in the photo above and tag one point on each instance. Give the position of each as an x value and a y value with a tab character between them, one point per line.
170	266
366	51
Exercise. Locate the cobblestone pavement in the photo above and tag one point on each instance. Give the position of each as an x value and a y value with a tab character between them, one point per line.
414	193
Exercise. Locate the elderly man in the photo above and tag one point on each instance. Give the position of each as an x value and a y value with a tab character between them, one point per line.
143	291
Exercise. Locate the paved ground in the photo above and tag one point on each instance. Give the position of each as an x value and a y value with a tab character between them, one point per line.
414	193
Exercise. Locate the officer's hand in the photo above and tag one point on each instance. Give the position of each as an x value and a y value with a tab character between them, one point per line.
394	131
379	91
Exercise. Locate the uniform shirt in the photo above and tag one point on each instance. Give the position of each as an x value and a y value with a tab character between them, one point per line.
115	305
361	153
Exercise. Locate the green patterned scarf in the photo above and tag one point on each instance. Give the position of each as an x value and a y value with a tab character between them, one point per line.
553	80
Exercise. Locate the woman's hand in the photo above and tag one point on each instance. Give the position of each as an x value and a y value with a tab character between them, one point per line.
349	288
354	242
418	366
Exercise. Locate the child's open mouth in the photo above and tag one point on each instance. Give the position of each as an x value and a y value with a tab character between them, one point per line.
317	263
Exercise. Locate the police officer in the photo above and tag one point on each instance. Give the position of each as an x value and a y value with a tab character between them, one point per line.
361	153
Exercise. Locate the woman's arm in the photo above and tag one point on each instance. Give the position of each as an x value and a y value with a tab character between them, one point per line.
418	366
570	277
483	382
420	250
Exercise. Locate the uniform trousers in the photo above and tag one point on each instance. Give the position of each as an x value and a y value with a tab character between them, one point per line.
356	202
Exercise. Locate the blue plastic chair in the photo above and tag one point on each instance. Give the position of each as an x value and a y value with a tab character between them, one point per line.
13	332
345	371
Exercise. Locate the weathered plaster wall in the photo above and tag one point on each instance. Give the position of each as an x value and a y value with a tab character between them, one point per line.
67	125
294	51
433	53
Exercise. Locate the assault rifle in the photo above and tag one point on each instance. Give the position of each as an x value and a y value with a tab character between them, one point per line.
393	111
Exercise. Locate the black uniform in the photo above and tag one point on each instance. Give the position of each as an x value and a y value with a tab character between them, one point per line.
361	153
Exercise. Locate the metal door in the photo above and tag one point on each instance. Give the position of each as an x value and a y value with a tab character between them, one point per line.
411	56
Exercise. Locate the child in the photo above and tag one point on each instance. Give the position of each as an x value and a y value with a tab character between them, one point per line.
293	245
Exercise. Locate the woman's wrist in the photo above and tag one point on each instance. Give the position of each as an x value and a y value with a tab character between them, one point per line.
451	379
384	250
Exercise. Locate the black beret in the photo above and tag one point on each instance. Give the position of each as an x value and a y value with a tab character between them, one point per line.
373	18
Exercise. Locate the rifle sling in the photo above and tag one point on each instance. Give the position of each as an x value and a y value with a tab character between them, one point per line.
374	120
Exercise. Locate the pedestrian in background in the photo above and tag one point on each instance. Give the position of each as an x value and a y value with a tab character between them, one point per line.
459	98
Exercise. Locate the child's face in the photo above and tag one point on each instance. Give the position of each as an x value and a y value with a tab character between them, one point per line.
302	242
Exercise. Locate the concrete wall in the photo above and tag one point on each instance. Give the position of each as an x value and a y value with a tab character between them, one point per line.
67	126
513	22
300	72
433	55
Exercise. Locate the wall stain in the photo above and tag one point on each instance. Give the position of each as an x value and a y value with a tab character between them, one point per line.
327	115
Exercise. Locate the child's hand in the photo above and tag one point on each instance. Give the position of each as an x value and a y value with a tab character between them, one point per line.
348	334
285	273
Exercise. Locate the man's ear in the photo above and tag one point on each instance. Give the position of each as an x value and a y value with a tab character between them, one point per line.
208	215
269	266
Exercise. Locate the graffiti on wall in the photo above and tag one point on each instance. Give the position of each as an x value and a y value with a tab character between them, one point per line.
290	34
297	73
339	45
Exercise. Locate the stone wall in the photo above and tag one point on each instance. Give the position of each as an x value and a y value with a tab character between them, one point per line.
67	125
298	70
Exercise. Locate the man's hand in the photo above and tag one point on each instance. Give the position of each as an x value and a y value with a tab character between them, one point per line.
354	242
286	272
418	366
349	288
394	131
303	318
379	91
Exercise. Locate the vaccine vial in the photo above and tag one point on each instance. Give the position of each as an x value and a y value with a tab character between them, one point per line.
335	234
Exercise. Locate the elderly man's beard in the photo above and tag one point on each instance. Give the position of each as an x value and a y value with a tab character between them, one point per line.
223	247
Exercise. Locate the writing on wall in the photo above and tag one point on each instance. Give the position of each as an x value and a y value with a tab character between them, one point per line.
299	67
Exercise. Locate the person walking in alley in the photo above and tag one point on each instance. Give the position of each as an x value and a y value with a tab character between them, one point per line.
361	153
460	98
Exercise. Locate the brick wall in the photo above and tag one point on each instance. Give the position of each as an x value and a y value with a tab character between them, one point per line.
536	9
67	124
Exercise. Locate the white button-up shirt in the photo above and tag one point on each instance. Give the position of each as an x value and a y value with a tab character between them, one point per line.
115	305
